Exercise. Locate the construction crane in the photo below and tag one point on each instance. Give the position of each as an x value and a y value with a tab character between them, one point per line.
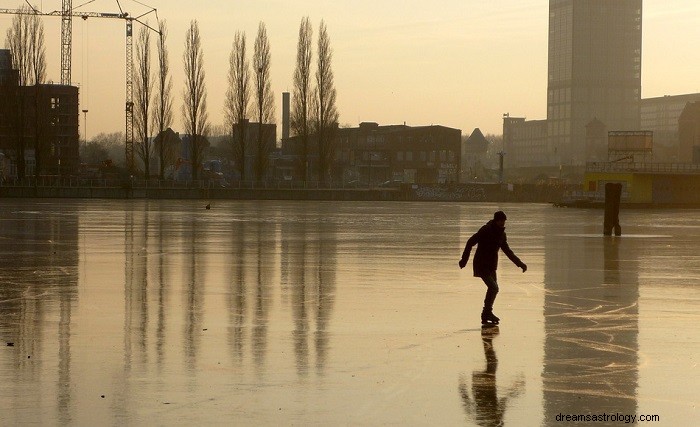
67	13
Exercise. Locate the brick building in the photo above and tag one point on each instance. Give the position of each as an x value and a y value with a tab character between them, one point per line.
42	117
371	154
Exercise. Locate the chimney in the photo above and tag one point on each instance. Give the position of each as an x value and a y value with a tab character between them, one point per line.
285	116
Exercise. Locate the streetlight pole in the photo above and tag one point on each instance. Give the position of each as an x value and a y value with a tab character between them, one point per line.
500	166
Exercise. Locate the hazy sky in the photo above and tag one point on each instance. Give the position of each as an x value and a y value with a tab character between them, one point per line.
458	63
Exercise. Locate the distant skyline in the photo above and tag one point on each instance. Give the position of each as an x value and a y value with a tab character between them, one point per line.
461	65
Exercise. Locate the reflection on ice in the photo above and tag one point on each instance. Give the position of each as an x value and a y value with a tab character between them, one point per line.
591	325
485	406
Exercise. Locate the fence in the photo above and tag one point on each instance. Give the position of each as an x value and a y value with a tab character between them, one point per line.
626	167
140	183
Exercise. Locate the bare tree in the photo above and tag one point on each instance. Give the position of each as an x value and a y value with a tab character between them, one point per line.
111	144
301	104
18	42
237	99
326	113
163	101
194	107
143	88
37	50
265	101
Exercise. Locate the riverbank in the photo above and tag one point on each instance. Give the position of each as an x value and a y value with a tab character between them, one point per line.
476	192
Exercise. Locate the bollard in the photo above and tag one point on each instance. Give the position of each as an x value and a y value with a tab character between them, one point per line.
613	192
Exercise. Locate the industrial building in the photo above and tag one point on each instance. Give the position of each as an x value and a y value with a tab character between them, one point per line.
371	154
660	115
525	143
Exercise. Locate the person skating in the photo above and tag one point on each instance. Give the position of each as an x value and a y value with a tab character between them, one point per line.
488	240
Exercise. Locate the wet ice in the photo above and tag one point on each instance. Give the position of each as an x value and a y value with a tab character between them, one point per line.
351	313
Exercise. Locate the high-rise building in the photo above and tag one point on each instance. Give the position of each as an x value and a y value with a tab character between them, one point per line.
594	72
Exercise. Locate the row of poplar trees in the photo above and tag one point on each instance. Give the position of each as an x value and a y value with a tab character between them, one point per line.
314	111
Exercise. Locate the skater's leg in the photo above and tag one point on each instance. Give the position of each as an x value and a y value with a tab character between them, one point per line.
491	292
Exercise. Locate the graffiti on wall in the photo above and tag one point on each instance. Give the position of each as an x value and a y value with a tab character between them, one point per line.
466	193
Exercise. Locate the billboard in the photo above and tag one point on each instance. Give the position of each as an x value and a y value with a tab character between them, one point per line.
631	141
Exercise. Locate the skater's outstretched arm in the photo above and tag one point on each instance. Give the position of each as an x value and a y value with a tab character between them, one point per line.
511	256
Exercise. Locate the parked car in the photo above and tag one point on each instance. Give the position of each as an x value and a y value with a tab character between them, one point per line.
391	184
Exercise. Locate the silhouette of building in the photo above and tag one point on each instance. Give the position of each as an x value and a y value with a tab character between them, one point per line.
171	151
525	142
183	165
7	73
474	154
371	154
596	141
54	118
594	71
661	115
47	113
251	144
689	133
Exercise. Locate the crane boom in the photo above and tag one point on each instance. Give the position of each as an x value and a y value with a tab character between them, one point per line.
67	14
84	15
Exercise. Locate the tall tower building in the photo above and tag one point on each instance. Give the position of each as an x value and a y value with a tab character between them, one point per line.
594	72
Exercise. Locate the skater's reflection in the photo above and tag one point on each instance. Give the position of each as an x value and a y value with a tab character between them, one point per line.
485	407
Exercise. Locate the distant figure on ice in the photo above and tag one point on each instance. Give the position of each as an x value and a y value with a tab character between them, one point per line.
489	239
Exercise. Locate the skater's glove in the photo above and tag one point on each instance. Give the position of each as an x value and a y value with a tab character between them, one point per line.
462	263
523	266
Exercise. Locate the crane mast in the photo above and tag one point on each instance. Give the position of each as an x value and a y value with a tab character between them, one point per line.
129	128
66	40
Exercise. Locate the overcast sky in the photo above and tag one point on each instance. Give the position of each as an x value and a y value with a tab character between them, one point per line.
458	63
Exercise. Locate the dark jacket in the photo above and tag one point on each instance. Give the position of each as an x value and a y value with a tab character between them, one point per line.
489	239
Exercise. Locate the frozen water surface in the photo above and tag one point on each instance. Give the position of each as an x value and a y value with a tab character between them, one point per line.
326	313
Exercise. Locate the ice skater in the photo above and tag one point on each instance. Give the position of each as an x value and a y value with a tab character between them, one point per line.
488	240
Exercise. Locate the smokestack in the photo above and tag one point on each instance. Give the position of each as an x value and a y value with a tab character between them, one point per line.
285	116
